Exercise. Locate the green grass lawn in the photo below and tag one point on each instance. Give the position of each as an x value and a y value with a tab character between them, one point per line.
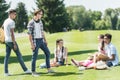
79	45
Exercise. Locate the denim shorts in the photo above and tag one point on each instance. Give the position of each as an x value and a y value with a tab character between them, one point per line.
61	62
109	64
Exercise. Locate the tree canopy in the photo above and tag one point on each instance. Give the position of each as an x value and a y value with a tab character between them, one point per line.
55	15
58	17
94	20
22	17
3	11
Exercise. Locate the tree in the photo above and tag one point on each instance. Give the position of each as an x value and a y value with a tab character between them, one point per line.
100	25
118	24
112	15
55	16
3	8
77	15
95	16
22	17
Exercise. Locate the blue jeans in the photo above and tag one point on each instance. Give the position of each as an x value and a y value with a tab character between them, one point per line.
61	62
9	47
43	46
109	64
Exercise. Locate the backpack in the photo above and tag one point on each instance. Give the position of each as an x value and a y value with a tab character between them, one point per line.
2	36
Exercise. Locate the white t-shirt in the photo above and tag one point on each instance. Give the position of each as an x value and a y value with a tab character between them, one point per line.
58	53
110	49
8	24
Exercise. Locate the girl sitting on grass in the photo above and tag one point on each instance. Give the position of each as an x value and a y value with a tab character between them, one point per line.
60	55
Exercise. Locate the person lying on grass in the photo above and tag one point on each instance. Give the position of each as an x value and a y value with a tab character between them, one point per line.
88	63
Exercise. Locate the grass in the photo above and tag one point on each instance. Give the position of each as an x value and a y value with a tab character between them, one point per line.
79	45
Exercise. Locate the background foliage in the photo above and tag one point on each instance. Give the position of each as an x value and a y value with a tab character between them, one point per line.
57	17
3	8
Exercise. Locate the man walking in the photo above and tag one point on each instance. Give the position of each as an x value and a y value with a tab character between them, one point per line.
10	42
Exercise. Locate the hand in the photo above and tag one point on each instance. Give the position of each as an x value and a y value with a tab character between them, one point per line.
15	47
33	47
46	43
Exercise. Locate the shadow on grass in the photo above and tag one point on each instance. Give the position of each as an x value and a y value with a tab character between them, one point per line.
52	74
58	74
81	52
13	59
20	74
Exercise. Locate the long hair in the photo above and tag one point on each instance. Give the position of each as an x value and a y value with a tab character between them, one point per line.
102	45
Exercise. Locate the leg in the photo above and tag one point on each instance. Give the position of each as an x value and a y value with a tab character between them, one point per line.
91	66
34	58
54	64
47	54
44	47
8	52
20	59
95	57
75	62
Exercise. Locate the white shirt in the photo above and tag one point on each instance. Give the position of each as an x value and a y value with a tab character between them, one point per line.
110	49
8	24
59	54
38	30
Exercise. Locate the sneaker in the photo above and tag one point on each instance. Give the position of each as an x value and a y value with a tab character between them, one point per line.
28	72
35	74
51	71
7	74
43	65
74	62
81	68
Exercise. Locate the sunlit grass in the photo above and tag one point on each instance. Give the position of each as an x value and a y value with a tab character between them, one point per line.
79	45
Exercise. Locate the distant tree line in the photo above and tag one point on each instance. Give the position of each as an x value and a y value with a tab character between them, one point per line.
94	20
57	16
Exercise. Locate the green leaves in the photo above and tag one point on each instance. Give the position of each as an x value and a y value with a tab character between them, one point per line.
3	11
55	17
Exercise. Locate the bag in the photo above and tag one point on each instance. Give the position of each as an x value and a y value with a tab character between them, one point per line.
2	36
101	65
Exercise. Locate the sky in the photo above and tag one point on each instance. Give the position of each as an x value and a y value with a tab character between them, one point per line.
99	5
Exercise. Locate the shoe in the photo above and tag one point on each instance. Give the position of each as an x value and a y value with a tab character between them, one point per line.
28	72
43	65
7	74
35	74
74	62
81	68
51	71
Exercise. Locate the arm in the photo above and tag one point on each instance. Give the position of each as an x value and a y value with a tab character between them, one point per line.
30	27
112	57
12	35
13	38
43	35
66	56
55	56
113	53
31	42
